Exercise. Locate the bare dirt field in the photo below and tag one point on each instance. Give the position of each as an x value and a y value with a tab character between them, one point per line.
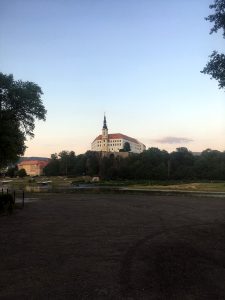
112	246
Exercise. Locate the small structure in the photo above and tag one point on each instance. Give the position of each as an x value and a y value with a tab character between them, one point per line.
33	167
95	179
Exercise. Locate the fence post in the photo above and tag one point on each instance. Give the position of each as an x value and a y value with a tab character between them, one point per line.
23	200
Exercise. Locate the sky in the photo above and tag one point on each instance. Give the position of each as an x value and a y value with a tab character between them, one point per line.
139	61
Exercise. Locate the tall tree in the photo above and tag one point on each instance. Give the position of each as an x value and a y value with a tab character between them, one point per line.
216	65
20	105
182	162
11	139
126	147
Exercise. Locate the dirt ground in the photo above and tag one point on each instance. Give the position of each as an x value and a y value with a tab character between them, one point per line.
81	246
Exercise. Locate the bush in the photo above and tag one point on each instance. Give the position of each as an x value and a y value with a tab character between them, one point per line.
7	203
22	173
11	172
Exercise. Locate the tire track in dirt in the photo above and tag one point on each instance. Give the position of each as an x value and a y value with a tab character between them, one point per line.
196	256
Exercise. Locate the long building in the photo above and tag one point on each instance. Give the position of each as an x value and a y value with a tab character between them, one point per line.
33	166
114	142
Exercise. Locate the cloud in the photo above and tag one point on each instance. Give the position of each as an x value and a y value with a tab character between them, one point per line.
174	140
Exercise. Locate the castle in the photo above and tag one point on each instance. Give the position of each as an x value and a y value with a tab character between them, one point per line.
114	142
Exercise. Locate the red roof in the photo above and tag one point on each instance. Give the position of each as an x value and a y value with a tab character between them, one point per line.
42	163
118	136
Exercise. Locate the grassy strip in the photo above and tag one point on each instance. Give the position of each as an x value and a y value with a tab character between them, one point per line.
195	186
64	183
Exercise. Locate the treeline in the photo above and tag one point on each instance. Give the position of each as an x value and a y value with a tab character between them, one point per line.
152	164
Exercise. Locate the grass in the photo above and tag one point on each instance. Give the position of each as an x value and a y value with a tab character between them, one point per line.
194	186
213	186
64	182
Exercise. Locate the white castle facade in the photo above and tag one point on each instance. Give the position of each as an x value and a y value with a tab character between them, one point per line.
114	142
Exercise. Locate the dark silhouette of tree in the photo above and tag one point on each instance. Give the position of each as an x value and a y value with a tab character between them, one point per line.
22	173
152	164
20	105
126	147
53	168
12	171
64	162
182	164
211	165
92	163
216	65
12	139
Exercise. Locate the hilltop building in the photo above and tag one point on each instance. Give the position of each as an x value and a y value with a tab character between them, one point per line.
33	166
114	142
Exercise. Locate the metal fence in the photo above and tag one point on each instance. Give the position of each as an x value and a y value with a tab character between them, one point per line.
17	194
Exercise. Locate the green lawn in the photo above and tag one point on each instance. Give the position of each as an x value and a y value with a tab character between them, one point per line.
63	182
194	186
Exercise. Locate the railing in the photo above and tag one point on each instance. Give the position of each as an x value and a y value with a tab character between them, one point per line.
14	193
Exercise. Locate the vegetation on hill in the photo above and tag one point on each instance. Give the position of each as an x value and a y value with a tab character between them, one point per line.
152	164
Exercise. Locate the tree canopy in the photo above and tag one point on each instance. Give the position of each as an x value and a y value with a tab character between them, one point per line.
216	64
20	105
126	147
11	139
152	164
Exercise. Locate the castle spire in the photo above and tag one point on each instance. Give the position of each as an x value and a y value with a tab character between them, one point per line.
105	136
104	123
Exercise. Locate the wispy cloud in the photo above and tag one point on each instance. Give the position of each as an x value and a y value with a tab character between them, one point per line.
173	140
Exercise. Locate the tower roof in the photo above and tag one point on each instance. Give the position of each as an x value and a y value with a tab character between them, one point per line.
104	123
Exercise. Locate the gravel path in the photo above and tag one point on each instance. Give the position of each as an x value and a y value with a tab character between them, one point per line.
80	246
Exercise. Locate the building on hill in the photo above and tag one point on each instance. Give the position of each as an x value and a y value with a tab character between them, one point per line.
114	142
33	167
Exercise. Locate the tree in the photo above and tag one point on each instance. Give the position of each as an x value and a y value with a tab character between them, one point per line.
62	164
182	163
20	105
22	173
211	165
11	171
53	168
92	163
153	164
216	65
126	147
11	139
67	161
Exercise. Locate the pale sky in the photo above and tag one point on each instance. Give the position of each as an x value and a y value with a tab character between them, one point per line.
137	60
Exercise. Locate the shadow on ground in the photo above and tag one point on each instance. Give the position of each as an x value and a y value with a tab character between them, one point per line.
80	246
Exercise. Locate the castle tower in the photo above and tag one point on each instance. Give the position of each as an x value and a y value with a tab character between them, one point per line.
105	136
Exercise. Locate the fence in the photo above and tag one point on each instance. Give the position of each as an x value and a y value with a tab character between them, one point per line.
15	194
